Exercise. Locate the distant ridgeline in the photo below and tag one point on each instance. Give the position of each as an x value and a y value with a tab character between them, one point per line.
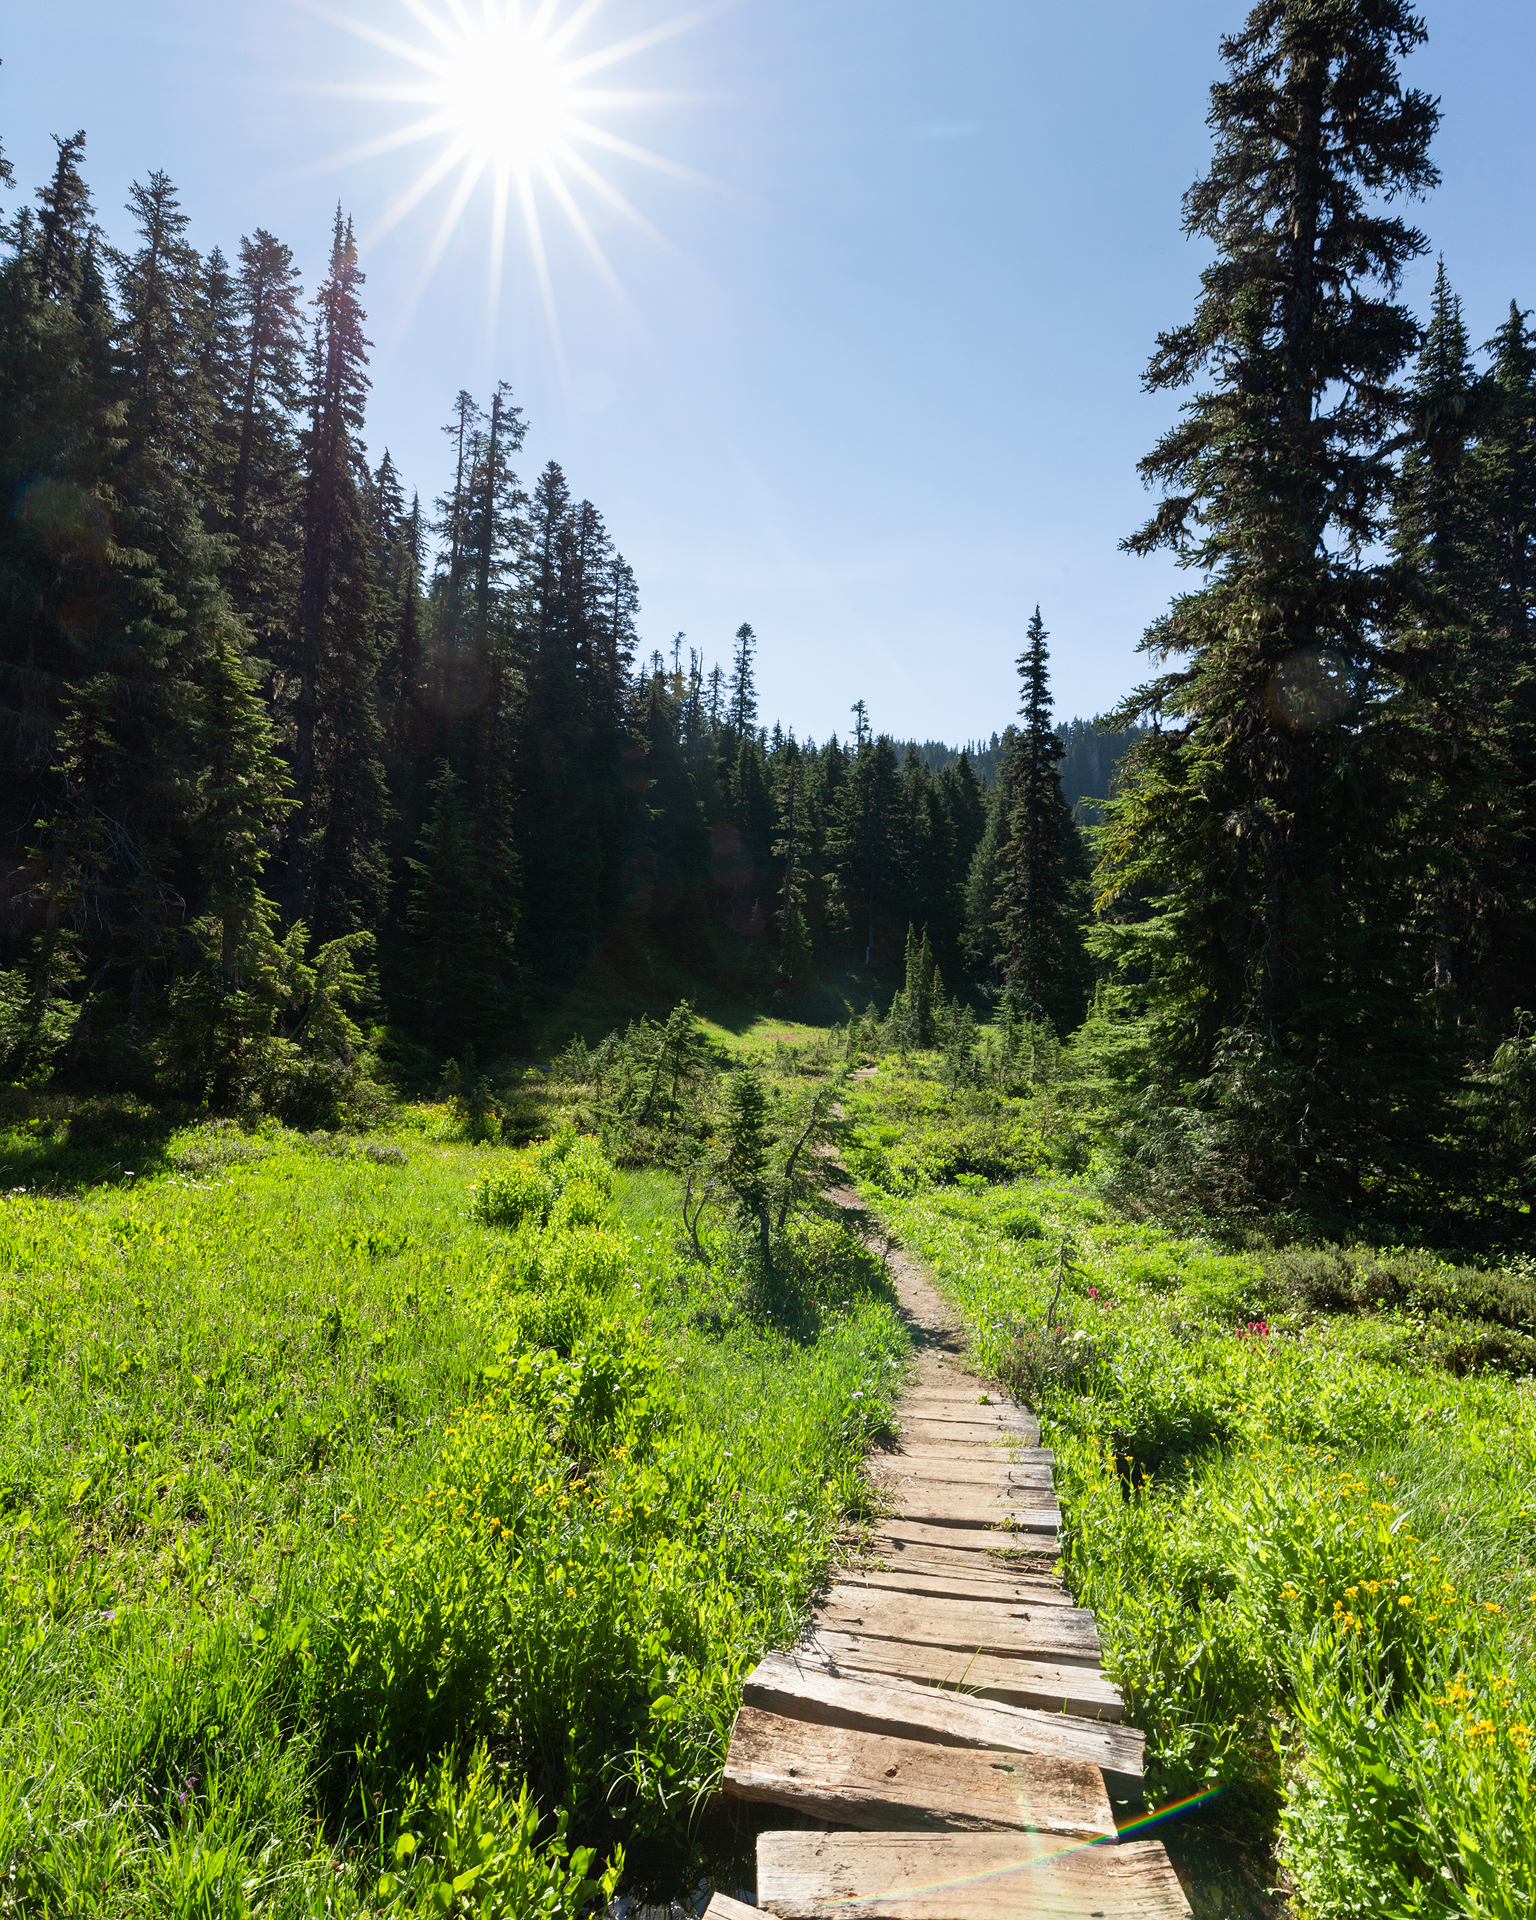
1087	767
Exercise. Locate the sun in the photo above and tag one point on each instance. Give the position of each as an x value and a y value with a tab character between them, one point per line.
507	92
507	95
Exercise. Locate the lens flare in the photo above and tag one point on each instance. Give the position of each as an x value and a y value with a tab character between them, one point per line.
503	91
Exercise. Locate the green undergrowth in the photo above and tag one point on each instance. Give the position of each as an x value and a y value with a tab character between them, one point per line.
388	1521
1300	1495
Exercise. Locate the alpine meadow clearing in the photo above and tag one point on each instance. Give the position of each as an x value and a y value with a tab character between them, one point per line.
1298	1484
389	1520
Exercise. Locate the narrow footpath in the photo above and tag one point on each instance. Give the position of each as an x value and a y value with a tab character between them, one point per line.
944	1739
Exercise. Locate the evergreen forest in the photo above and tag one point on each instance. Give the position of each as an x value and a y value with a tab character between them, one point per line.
479	1100
292	757
298	766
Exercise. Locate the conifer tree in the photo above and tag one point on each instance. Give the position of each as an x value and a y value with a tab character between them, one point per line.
987	874
1250	824
1508	456
1042	902
747	1138
337	870
867	846
462	918
262	507
66	232
1445	726
743	683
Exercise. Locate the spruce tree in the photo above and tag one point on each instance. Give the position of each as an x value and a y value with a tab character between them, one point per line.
867	846
1042	902
263	508
1508	457
462	920
987	873
743	683
337	869
1445	726
1252	826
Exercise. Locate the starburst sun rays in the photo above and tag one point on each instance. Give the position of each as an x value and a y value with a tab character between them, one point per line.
507	91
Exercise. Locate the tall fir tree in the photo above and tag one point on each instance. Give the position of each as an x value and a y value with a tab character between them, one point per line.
1043	899
743	683
337	866
261	506
867	847
1445	727
1253	829
1508	454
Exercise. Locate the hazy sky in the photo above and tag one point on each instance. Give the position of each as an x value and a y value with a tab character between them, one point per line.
871	380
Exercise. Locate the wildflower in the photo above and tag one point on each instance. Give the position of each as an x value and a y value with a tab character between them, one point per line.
1490	1607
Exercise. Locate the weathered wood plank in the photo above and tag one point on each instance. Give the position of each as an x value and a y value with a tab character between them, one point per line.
1029	1632
964	1876
986	1404
1052	1685
886	1469
723	1907
943	1504
803	1687
901	1531
983	1588
977	1452
874	1781
950	1410
921	1428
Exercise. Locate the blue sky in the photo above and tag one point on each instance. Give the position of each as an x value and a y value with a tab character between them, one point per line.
872	380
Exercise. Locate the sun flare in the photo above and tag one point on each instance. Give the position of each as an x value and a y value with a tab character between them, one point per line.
504	91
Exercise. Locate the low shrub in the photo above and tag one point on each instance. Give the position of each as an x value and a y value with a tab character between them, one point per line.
513	1196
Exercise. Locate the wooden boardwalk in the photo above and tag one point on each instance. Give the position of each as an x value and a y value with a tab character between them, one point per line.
944	1739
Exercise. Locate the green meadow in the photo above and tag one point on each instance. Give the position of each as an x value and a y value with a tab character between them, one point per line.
389	1520
1299	1484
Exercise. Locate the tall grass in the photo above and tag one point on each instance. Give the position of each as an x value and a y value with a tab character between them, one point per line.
365	1553
1311	1546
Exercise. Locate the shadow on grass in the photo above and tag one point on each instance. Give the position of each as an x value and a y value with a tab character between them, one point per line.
1227	1872
64	1143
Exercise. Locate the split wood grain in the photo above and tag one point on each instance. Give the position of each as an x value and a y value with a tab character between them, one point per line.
966	1537
1055	1686
964	1876
1009	1422
984	1545
1031	1632
723	1907
983	1589
980	1452
883	1469
942	1503
921	1427
804	1688
877	1782
987	1405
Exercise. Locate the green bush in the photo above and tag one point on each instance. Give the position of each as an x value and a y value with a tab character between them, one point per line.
582	1204
512	1196
590	1259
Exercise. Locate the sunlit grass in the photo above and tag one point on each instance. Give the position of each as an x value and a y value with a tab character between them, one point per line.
311	1478
1310	1548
